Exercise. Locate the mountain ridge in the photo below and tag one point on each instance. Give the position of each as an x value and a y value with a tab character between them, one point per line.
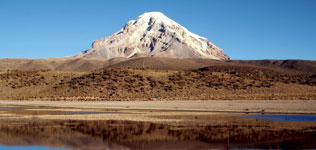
154	34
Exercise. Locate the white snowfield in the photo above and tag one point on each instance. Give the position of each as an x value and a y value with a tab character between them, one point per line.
154	34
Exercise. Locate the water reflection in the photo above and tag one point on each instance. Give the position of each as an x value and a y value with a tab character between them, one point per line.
113	134
288	118
5	147
22	127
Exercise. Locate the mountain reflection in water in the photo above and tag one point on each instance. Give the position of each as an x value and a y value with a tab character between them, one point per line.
100	128
111	134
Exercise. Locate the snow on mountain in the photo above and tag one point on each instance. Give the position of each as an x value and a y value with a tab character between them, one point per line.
154	34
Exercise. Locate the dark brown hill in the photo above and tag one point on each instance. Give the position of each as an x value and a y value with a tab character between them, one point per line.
85	65
301	66
165	63
56	64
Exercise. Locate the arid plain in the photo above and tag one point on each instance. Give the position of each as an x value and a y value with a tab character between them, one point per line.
154	78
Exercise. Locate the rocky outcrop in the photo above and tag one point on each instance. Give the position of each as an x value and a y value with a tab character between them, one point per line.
154	34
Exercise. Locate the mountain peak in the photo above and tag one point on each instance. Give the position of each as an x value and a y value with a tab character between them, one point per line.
157	17
154	14
154	34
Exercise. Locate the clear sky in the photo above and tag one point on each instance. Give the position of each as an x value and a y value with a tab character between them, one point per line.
244	29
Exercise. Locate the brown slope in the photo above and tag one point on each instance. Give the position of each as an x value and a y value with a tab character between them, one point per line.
67	64
290	66
86	64
24	64
57	64
81	65
300	66
166	63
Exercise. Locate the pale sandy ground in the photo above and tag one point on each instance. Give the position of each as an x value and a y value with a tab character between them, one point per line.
268	106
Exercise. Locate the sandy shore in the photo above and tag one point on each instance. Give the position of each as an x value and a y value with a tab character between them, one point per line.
268	106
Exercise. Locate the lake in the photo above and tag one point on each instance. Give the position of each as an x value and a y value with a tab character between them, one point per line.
286	117
59	128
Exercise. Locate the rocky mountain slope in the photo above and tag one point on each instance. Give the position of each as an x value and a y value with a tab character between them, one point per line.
154	34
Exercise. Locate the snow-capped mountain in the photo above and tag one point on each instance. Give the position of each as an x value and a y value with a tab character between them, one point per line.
154	34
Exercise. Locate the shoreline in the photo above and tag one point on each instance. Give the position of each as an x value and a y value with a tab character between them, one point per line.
229	106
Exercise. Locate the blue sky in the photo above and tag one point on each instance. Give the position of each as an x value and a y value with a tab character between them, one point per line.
244	29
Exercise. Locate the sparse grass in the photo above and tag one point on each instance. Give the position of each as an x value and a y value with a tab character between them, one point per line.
23	85
148	84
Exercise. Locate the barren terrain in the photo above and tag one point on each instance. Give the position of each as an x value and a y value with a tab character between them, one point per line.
222	80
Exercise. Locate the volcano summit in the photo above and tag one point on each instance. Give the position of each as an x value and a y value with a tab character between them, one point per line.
153	34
